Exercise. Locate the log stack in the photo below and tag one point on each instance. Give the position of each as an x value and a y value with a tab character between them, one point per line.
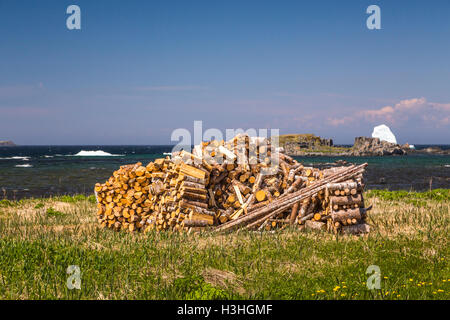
347	206
227	185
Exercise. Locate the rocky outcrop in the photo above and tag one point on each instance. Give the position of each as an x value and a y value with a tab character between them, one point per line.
292	148
298	144
7	143
305	141
365	146
326	142
433	150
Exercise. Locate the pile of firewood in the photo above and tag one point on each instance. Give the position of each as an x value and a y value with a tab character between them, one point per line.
241	183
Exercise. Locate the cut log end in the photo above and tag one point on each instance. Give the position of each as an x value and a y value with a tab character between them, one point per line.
260	195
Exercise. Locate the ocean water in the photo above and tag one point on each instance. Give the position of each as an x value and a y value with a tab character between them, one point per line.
43	171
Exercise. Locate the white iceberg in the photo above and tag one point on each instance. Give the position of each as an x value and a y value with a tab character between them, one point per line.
97	153
383	133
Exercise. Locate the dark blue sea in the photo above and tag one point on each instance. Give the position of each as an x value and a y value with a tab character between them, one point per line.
43	171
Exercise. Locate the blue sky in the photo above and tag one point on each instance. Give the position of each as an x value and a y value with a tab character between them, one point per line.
137	70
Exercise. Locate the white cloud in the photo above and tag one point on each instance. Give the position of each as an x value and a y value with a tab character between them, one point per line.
414	111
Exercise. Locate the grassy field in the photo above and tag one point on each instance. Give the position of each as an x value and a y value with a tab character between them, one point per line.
41	238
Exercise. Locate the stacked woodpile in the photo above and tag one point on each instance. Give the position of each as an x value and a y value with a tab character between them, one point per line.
227	185
347	206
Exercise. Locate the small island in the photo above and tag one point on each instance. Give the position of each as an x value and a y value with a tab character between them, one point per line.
310	145
7	143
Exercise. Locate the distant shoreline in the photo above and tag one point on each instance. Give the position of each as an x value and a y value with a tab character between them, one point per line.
434	151
7	143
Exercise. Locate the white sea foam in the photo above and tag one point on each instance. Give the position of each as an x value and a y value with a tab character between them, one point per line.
447	165
167	153
97	153
16	158
48	156
24	166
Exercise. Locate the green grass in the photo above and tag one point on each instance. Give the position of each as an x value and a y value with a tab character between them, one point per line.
52	212
416	198
39	205
7	203
402	195
409	243
4	203
76	198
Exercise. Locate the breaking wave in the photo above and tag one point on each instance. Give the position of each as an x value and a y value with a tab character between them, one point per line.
16	158
23	166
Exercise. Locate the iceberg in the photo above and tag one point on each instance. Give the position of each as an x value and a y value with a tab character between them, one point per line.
97	153
383	133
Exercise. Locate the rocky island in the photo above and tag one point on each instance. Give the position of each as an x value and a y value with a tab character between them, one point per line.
365	146
311	145
7	143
